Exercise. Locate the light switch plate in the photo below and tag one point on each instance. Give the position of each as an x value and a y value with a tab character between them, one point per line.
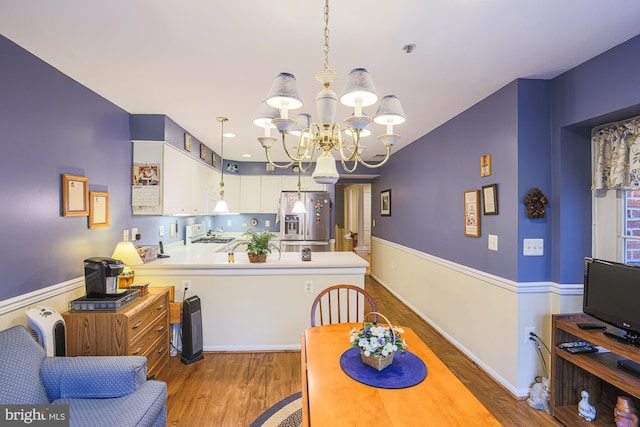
161	230
533	247
493	242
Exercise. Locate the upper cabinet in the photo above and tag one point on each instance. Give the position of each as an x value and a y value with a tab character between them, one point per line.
167	181
260	194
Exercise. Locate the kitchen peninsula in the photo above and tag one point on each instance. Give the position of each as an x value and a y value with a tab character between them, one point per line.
252	306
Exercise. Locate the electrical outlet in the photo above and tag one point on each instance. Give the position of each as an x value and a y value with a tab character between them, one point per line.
527	335
134	231
229	223
308	286
161	230
186	285
267	223
172	229
125	236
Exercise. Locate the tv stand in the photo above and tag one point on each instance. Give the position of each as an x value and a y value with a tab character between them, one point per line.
623	336
597	373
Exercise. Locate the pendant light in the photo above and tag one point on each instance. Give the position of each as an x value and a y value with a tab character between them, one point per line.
298	206
221	205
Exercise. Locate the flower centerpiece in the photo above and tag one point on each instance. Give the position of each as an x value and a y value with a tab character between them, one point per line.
378	343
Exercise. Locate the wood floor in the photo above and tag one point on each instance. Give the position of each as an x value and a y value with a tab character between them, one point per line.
233	389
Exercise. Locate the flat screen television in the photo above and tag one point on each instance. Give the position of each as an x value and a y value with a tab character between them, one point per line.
612	295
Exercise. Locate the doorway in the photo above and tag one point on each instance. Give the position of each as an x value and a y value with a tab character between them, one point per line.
357	215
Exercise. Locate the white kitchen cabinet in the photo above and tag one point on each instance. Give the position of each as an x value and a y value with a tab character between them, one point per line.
250	193
232	191
181	189
260	193
270	193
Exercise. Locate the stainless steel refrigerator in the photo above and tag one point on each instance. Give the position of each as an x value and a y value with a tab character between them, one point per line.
313	229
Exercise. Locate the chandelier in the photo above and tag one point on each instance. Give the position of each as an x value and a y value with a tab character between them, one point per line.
316	141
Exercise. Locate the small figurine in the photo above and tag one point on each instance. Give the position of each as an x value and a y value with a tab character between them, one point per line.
625	413
585	409
539	396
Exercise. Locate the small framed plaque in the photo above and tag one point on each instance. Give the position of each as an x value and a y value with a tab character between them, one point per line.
490	199
471	213
75	195
98	209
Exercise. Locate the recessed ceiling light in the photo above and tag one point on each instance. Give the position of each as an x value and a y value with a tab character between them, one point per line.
246	155
229	135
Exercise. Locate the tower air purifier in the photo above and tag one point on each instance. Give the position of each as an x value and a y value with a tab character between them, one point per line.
191	331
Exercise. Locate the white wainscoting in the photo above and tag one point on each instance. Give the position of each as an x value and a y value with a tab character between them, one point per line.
481	314
55	296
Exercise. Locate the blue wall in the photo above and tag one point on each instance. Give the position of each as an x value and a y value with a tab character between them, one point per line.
428	178
51	125
538	134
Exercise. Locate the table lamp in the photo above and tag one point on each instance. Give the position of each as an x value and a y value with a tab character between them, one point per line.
128	254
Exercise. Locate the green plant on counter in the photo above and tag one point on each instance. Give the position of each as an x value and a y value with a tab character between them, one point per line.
258	243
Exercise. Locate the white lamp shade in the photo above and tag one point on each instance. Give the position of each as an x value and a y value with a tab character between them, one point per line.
298	207
359	89
284	92
325	171
127	253
265	114
221	207
389	111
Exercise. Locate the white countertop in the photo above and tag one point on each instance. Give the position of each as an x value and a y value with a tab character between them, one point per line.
207	256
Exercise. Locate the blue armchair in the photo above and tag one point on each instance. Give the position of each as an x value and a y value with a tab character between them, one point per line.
100	390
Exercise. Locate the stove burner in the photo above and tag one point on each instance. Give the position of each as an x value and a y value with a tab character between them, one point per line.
214	240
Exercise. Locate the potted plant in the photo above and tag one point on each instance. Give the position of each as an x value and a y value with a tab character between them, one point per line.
258	244
378	343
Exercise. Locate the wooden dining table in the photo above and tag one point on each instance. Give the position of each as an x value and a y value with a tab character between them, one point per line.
332	398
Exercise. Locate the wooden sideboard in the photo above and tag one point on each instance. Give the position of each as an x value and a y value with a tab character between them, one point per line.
140	329
596	373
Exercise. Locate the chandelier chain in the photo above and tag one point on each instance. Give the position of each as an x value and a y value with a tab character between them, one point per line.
326	35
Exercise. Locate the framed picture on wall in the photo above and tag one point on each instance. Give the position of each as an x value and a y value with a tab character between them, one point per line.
75	195
187	141
490	199
385	203
471	213
485	165
98	209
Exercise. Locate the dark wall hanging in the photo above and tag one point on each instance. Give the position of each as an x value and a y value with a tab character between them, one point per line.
535	202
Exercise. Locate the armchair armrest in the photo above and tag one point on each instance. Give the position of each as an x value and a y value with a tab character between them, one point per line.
92	376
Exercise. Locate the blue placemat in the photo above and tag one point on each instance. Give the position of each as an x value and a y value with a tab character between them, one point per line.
406	370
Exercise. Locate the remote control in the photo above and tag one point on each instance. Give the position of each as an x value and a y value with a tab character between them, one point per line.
575	344
583	349
591	326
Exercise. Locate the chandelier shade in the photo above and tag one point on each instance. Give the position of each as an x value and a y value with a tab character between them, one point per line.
319	140
265	114
284	94
359	90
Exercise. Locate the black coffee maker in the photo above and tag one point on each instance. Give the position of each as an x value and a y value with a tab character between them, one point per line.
101	276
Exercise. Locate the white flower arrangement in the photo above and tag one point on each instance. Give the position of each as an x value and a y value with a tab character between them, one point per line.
378	340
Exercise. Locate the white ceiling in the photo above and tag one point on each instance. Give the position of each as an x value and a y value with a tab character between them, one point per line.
194	60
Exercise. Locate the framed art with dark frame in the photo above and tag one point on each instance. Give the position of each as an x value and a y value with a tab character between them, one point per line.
490	199
98	209
471	213
385	203
75	195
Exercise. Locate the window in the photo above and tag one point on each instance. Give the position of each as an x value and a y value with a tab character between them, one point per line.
631	227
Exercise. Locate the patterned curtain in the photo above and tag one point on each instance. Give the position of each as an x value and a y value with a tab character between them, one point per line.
617	155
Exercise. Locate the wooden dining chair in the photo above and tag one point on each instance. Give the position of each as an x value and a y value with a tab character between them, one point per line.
341	304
